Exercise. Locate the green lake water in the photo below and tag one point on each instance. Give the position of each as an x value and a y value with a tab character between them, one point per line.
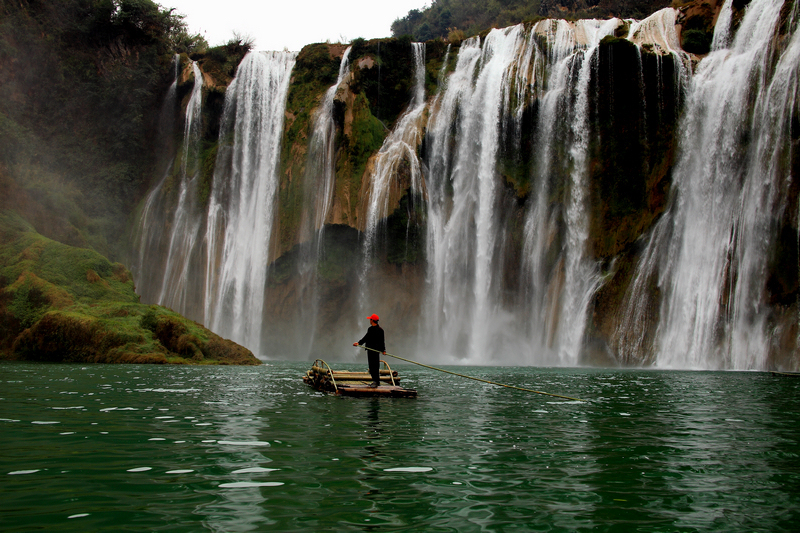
171	448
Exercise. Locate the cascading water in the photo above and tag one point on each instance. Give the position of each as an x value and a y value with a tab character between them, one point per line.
466	307
320	172
462	218
541	225
319	183
241	206
175	289
696	297
147	266
169	283
581	278
559	300
400	146
734	144
633	337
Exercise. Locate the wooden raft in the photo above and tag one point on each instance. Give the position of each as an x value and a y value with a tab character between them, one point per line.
346	383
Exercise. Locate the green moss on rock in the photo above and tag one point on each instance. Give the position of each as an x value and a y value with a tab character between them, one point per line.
65	304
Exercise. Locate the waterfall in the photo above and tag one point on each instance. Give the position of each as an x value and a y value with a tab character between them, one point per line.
320	172
728	181
242	201
176	291
147	264
464	133
561	293
398	147
503	164
170	283
319	183
581	277
633	335
708	254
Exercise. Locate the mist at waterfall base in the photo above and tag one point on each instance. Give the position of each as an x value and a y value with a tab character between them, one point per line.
524	97
195	448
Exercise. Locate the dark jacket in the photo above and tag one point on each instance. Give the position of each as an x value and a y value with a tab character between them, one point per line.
374	339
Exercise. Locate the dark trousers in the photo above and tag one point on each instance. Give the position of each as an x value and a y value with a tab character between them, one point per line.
374	359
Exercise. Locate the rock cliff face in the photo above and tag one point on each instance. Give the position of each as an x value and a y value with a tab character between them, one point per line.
510	198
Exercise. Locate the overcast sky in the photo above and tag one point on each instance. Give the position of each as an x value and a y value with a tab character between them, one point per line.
291	24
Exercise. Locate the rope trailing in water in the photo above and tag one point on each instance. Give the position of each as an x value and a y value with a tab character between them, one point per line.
476	379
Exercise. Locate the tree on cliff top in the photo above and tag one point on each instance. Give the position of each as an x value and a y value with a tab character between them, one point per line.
82	85
474	16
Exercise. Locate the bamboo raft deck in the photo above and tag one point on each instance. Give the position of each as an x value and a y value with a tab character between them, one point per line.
346	383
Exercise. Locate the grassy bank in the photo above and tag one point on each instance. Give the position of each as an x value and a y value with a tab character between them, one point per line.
61	303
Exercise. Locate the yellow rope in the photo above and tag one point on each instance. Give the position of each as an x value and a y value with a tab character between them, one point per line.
476	379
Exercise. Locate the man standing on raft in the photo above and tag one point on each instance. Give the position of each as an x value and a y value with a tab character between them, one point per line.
374	339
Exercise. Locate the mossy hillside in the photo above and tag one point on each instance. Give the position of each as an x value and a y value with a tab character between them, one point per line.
387	80
62	303
365	139
435	55
83	79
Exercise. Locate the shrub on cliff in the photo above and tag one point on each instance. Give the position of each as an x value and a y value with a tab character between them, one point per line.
696	41
470	17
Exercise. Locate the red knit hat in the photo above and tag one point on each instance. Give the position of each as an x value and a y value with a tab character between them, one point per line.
373	317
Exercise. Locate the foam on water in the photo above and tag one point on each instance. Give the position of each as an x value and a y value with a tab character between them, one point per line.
254	470
409	469
248	484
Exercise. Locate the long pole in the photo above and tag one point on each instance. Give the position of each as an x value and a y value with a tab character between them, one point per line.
472	377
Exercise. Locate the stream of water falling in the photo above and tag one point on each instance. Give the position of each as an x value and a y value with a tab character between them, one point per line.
174	233
709	252
147	265
462	195
319	184
399	146
696	299
465	304
320	163
240	212
176	292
